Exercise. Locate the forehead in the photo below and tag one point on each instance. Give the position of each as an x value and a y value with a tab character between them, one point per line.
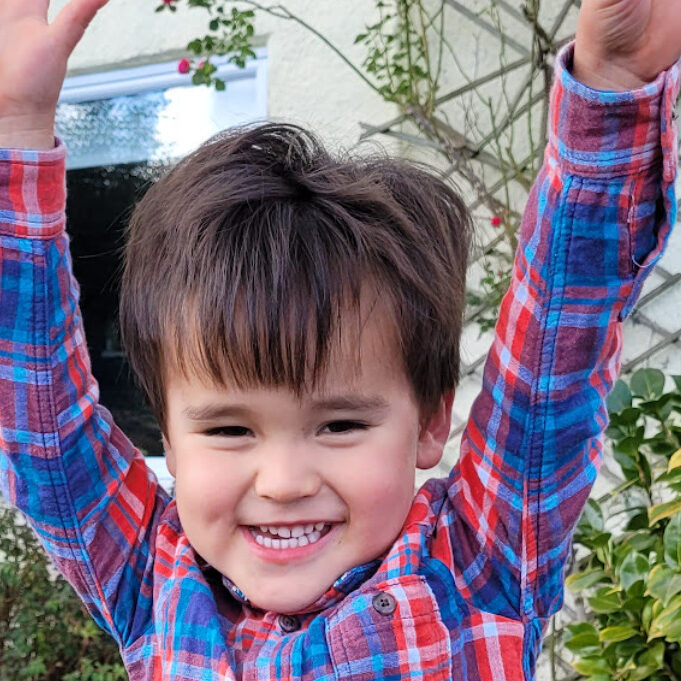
362	351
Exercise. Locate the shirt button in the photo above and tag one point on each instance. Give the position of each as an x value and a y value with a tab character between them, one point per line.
384	603
289	623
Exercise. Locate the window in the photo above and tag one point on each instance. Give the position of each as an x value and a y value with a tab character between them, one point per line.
122	129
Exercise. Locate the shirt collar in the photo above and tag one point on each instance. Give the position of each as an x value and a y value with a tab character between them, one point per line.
345	584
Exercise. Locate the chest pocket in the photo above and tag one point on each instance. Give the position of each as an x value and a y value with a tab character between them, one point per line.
390	630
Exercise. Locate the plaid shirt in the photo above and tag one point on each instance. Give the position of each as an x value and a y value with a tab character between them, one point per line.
468	586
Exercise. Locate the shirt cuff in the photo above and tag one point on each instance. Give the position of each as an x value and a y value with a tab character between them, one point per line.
33	192
611	134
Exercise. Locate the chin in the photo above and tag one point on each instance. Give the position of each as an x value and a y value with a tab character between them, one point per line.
283	606
286	596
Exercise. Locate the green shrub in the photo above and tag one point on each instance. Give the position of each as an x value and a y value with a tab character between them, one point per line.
45	632
630	578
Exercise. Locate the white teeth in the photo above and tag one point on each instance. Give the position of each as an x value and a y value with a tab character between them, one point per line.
298	540
292	531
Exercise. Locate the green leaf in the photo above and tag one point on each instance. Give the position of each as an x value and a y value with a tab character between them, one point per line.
648	612
634	567
677	381
629	416
627	462
582	639
641	541
195	46
592	665
653	657
639	521
605	601
583	580
675	461
642	672
672	542
670	477
647	383
659	409
620	632
592	516
668	621
662	511
664	583
628	445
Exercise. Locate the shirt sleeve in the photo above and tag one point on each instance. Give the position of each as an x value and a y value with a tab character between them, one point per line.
85	489
598	219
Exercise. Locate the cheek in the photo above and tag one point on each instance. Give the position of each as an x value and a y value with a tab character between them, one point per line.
380	488
204	489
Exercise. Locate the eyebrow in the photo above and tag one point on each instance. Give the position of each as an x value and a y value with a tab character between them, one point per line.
215	411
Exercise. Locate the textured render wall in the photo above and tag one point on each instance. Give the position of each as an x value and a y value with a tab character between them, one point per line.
307	83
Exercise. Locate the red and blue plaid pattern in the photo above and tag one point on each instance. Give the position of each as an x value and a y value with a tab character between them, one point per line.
478	568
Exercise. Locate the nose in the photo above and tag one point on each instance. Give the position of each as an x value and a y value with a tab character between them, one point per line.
286	473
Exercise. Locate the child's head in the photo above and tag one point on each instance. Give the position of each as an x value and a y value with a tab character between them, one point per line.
294	320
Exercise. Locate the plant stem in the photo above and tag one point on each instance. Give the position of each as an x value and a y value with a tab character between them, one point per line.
281	12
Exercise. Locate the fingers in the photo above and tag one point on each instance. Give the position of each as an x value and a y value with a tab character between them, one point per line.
73	20
12	10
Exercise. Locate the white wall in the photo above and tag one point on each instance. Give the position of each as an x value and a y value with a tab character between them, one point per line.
308	84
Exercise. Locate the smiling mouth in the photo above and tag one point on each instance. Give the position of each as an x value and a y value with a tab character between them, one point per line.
283	537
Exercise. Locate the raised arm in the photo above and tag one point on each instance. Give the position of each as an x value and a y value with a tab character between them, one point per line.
597	220
63	462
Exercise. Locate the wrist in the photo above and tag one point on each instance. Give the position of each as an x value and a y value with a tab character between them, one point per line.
602	73
27	132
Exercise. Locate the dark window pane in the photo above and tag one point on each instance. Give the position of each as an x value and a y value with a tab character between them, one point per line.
100	200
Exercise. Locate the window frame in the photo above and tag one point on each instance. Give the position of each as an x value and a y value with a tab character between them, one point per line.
134	80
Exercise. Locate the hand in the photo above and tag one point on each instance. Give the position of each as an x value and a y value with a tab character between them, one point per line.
33	57
623	44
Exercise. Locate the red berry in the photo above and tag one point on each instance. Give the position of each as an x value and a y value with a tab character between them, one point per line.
184	66
496	221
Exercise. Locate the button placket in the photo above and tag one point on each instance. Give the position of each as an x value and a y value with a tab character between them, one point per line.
384	604
289	623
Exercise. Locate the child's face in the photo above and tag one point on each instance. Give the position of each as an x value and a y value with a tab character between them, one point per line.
342	456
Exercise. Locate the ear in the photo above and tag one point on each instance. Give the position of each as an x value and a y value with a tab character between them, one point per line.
434	433
170	456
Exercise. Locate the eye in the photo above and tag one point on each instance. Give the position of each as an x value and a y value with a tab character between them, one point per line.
228	431
339	427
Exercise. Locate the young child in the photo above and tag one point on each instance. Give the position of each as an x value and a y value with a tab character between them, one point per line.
294	319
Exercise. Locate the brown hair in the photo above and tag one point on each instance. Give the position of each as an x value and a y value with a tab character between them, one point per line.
240	261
